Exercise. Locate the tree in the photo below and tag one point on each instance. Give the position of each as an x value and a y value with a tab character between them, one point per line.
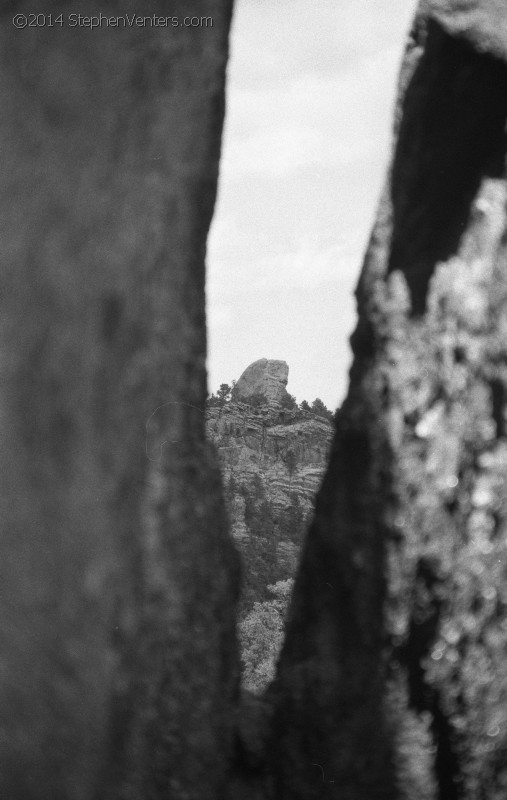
259	555
288	401
261	636
291	523
259	516
213	401
304	405
256	400
224	393
320	410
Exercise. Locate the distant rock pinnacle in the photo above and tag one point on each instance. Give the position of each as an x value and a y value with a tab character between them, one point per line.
265	377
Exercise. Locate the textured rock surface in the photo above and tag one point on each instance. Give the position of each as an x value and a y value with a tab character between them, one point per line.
118	675
482	22
392	682
272	463
266	377
257	442
117	579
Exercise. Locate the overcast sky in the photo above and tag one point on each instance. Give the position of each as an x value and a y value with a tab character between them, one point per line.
309	109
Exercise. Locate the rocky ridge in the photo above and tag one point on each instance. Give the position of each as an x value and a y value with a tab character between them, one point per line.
265	442
272	461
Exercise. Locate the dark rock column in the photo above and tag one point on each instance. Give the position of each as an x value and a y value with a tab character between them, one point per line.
393	678
117	579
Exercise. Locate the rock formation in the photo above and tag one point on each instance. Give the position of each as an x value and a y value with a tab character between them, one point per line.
259	442
264	377
118	656
273	455
393	680
272	462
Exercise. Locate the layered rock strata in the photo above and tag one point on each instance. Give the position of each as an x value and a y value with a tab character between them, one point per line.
272	462
286	449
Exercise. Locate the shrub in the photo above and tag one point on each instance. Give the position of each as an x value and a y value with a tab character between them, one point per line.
255	400
320	410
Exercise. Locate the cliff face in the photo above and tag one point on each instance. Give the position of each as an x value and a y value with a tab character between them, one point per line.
286	449
272	461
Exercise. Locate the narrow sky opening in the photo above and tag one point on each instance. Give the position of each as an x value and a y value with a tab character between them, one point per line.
310	98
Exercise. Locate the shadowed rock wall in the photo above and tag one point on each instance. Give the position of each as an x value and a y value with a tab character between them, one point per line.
118	671
392	681
117	579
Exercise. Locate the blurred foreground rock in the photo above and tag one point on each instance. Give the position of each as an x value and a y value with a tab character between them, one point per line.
393	677
117	577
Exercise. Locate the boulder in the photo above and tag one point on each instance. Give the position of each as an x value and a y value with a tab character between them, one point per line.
265	376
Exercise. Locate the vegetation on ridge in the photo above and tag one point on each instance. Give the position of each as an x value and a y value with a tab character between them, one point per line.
272	456
227	393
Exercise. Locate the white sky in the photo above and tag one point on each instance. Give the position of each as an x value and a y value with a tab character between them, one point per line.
311	89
